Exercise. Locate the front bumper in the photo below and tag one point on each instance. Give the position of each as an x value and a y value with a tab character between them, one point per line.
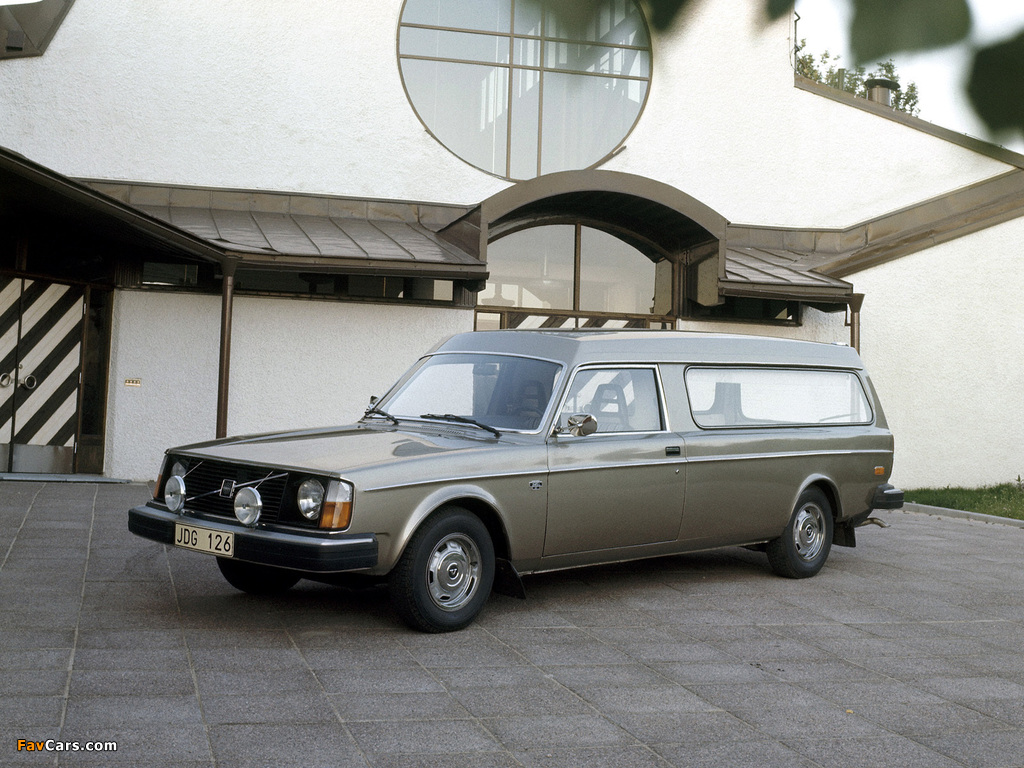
313	552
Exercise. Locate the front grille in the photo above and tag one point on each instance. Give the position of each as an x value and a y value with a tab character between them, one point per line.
204	480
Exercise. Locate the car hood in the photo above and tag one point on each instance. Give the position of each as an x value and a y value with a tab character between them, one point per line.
343	450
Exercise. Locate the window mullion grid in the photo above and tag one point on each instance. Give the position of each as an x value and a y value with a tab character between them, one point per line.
577	261
511	90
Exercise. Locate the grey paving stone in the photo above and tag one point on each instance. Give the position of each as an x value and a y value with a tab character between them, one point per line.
310	745
416	737
123	682
707	727
984	749
689	661
871	753
605	757
398	706
370	681
534	699
143	743
33	682
276	708
97	714
735	754
519	733
33	713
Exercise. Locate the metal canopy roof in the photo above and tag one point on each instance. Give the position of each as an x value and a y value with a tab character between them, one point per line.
779	274
239	229
270	240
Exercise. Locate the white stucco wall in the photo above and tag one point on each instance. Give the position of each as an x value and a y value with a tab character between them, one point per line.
293	364
170	342
943	334
308	97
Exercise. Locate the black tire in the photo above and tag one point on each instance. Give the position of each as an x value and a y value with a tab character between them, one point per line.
257	579
803	547
445	574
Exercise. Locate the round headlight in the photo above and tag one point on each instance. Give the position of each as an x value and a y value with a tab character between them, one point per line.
248	506
174	493
310	498
179	469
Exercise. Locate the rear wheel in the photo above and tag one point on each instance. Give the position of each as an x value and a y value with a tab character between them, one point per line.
257	579
803	547
445	575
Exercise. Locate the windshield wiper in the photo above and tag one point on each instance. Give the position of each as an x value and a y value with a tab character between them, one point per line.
461	420
375	411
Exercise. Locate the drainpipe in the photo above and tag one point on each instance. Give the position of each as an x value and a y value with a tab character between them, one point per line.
227	297
855	302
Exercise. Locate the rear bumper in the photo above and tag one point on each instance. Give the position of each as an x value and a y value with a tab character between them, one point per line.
887	497
312	552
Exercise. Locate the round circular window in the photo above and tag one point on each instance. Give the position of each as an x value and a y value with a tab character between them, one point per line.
520	88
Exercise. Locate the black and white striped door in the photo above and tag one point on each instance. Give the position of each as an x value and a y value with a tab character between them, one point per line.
41	327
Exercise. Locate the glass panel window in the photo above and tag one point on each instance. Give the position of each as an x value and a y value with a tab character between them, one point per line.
585	118
486	16
621	399
590	58
500	391
614	276
444	44
467	106
739	397
533	268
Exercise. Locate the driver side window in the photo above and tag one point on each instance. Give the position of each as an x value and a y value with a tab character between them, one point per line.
621	399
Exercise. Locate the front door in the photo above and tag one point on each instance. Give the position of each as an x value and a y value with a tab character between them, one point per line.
622	485
41	326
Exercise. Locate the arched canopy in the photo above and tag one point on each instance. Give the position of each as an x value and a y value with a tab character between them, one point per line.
638	209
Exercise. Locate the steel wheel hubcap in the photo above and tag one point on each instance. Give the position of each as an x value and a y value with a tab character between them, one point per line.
453	572
809	531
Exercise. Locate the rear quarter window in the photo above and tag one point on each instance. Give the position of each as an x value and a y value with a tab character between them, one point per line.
775	397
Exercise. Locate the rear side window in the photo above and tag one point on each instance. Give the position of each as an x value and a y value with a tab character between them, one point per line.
775	397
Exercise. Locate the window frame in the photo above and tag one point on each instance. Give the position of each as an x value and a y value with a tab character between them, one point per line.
509	64
659	387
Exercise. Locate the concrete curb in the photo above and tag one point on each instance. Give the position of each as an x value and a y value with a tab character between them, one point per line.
924	509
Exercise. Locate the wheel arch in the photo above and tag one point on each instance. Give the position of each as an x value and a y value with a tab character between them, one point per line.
828	487
475	501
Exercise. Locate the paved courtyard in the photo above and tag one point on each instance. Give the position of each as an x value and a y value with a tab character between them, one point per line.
906	651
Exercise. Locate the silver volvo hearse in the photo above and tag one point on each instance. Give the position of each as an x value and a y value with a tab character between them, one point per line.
514	452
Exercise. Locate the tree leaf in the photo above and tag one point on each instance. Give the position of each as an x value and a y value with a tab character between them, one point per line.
778	8
663	12
996	84
883	27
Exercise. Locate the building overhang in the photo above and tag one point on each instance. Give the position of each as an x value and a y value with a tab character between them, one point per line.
238	229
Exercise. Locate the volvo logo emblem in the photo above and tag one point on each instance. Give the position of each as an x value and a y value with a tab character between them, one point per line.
227	488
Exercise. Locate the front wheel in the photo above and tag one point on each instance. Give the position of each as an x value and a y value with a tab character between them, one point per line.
445	575
803	547
256	579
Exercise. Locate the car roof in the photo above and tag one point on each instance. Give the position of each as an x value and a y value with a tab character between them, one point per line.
575	347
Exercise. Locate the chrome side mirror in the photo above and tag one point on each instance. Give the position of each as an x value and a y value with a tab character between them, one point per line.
582	424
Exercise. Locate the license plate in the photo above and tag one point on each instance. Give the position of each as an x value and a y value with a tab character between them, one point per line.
204	540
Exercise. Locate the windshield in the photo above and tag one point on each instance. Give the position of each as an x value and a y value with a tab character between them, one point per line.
498	390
